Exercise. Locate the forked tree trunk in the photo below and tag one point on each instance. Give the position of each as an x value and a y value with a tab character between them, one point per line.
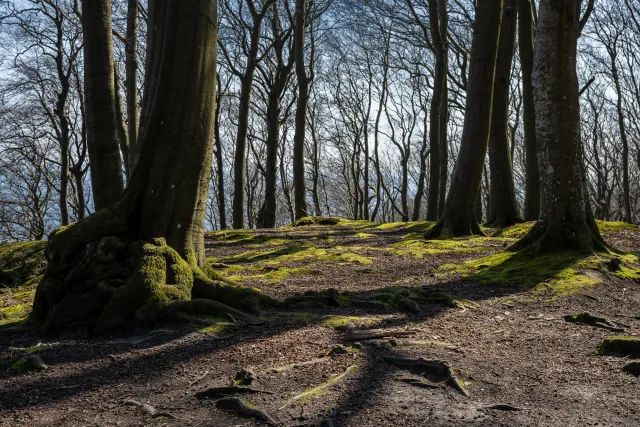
458	217
503	206
532	175
126	264
99	91
565	222
299	185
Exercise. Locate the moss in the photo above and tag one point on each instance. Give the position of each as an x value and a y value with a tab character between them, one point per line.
608	226
420	248
620	346
268	275
21	262
514	232
35	349
391	225
295	253
20	366
322	387
561	273
365	235
337	321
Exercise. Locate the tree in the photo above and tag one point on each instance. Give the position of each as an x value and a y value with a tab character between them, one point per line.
532	175
503	208
99	91
299	185
458	217
566	221
137	259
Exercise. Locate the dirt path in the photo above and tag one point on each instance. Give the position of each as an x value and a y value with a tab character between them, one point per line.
509	346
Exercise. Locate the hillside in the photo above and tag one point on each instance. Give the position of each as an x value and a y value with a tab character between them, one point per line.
379	327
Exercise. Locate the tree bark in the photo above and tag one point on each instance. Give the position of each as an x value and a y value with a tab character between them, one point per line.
438	23
132	262
532	175
217	140
131	83
102	138
299	185
504	208
565	221
458	218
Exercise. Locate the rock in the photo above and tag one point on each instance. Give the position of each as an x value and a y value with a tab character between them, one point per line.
619	345
246	376
632	368
33	362
614	264
357	346
338	349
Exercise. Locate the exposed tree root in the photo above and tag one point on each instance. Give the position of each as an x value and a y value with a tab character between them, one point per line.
421	383
240	408
318	389
410	343
438	368
439	296
296	365
449	226
502	407
590	320
554	236
98	279
150	410
218	392
372	334
407	304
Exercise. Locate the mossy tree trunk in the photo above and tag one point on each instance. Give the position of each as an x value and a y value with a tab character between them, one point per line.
503	206
458	217
125	264
99	91
565	222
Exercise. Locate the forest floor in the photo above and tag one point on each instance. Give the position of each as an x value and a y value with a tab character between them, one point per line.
496	318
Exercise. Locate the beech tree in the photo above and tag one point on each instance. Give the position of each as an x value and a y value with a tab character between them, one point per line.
566	221
458	217
142	257
100	107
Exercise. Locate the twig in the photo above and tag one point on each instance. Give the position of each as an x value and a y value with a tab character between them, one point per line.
198	379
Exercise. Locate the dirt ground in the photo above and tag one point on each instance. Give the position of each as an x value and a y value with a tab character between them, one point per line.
521	363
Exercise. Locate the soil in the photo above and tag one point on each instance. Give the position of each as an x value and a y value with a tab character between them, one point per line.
520	361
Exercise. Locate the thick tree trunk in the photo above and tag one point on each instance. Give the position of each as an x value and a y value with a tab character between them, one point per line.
504	208
102	138
131	83
565	221
299	185
532	175
626	193
133	261
458	217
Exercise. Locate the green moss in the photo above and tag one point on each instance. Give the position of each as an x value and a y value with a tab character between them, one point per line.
420	248
20	366
364	235
21	262
607	226
295	253
391	225
337	321
620	346
35	349
514	232
268	275
561	273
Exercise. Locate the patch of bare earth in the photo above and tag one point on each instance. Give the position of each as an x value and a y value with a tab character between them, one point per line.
521	363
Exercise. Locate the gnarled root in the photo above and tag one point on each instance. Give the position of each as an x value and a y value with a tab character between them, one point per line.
98	279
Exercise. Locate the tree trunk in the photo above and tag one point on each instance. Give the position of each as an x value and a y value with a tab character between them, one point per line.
532	175
438	23
102	138
217	140
121	127
131	83
299	185
424	152
565	221
243	122
504	208
626	198
134	261
458	217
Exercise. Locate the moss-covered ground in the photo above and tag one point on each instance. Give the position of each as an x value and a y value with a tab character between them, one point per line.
513	326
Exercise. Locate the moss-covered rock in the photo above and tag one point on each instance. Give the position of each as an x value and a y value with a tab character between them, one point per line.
620	346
